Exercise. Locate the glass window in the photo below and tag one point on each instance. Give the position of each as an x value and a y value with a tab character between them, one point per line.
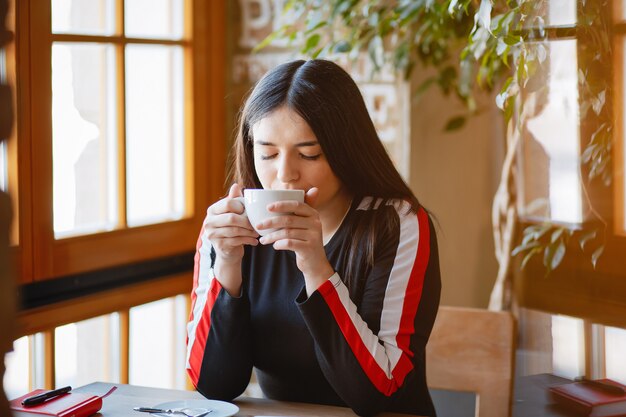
16	377
568	354
561	13
86	351
155	134
91	17
615	346
3	167
154	19
157	335
3	149
118	131
84	138
622	158
550	154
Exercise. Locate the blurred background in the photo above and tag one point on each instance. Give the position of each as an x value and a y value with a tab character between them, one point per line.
125	111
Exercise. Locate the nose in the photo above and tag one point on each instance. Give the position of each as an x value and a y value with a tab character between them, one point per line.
287	170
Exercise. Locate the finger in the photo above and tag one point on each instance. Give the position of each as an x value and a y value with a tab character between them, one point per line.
287	221
235	242
311	196
291	207
226	205
234	191
295	234
230	232
228	219
289	244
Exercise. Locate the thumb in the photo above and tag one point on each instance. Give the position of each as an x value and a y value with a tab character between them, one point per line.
234	191
311	196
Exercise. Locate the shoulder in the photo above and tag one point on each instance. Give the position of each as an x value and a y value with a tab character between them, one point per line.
401	209
395	216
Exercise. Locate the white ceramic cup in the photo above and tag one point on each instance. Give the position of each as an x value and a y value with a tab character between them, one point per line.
256	201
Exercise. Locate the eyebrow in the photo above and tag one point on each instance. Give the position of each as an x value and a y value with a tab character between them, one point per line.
298	145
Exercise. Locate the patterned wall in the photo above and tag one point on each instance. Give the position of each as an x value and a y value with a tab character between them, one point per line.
386	95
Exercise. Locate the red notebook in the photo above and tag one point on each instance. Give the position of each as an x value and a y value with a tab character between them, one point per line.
72	404
588	400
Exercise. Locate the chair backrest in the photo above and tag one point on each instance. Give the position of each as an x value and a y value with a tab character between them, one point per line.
473	350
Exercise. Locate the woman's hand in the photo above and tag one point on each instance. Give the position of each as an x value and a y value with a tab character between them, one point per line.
301	232
228	229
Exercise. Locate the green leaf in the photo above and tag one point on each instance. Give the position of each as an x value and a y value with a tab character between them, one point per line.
483	15
311	42
586	156
586	237
316	27
528	256
270	38
552	255
423	87
455	123
342	47
452	6
512	40
524	247
557	257
596	255
556	235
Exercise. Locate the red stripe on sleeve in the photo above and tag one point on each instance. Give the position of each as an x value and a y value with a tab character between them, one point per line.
411	302
196	271
350	333
414	288
202	333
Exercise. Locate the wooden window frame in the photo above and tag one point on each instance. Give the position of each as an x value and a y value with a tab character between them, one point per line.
38	255
576	288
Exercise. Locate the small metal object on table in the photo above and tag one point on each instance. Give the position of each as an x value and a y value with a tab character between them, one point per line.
122	402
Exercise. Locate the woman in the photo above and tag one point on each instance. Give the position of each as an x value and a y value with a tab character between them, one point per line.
337	305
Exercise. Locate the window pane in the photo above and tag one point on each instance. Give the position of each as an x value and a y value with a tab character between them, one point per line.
568	346
157	336
154	134
615	344
154	19
83	138
3	149
84	352
561	12
90	17
3	167
551	144
16	377
623	138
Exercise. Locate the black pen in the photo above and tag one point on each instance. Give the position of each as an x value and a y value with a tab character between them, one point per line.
604	386
39	398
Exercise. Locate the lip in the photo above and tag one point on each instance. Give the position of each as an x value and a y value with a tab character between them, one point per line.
292	188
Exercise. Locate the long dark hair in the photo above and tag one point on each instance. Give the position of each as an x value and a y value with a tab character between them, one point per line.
327	98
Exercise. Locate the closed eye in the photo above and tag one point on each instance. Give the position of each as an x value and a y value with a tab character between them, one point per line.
310	157
267	157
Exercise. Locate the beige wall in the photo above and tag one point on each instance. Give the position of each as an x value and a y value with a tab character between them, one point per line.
455	176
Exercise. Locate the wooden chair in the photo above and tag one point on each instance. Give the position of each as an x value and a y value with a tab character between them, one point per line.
473	350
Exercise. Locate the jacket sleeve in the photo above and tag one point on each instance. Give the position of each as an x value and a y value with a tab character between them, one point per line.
369	364
219	360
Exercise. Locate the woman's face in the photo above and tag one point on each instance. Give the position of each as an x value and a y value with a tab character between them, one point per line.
287	155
